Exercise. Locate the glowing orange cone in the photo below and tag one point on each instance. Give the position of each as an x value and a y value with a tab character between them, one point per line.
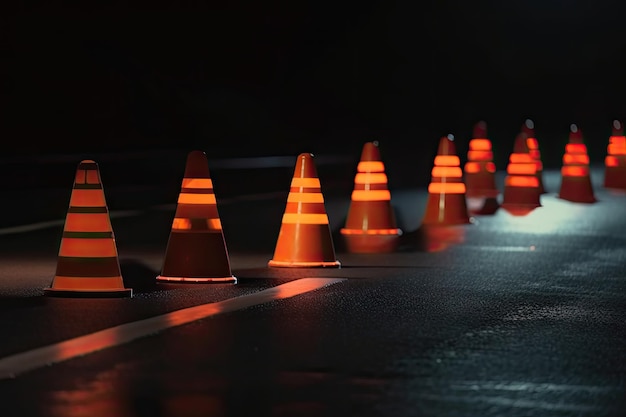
88	264
521	185
371	223
479	170
446	203
304	239
615	160
196	251
533	148
575	180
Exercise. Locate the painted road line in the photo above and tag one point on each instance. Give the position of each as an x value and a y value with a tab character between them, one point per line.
14	365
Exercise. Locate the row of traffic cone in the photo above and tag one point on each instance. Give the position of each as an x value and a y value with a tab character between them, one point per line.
524	184
88	263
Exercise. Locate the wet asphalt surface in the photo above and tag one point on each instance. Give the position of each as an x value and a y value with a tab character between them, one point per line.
506	316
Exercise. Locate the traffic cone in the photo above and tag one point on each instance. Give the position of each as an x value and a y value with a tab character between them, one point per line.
533	148
304	239
88	264
479	170
521	185
371	223
575	180
196	251
615	160
446	203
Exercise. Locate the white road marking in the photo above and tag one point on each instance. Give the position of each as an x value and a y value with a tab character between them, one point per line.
16	364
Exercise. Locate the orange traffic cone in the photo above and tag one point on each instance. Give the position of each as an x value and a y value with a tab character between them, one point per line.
371	223
521	185
446	203
575	180
304	239
615	160
479	171
196	251
533	148
88	264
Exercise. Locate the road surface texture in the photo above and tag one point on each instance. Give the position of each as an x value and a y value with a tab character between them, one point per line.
505	316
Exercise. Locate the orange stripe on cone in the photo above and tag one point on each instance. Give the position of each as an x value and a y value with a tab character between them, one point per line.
371	224
521	184
304	239
575	180
88	264
615	161
196	250
446	203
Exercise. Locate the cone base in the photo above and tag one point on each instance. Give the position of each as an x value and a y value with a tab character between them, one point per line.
122	292
519	209
482	205
303	264
486	193
197	280
577	190
521	197
617	187
578	199
446	209
370	243
615	178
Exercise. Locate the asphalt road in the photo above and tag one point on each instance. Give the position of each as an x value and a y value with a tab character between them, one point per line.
506	316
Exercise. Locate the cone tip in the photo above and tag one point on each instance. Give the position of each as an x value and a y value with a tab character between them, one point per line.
446	145
529	128
575	134
480	130
197	165
305	167
88	164
521	143
370	151
617	128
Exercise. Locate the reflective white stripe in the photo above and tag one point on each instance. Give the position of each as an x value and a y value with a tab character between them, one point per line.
16	364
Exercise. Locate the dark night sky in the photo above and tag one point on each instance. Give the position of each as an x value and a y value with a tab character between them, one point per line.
278	77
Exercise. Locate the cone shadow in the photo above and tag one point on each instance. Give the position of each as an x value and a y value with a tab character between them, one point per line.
138	276
15	303
432	238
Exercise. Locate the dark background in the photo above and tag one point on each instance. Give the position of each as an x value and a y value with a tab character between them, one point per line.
280	78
